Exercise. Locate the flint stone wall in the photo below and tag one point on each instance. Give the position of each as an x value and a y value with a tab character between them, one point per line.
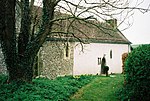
53	59
3	69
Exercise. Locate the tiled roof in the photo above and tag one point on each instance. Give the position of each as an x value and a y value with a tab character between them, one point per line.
99	32
103	32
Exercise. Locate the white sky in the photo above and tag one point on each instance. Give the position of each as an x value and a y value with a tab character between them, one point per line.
139	32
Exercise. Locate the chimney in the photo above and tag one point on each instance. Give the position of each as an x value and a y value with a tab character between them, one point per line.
112	22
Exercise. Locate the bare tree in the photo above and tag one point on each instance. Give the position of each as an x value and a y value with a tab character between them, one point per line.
20	45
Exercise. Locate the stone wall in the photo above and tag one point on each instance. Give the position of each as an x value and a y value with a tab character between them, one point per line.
3	69
54	60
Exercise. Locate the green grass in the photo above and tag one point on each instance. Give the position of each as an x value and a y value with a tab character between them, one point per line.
100	89
42	89
82	88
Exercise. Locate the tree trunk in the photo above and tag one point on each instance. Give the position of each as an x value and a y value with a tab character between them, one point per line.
26	69
25	29
8	36
18	70
19	57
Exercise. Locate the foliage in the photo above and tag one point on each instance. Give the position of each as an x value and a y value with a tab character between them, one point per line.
3	79
137	76
42	89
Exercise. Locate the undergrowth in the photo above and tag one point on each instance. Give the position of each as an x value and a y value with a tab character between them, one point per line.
42	89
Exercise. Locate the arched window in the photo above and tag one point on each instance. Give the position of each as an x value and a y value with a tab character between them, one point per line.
67	51
99	60
110	54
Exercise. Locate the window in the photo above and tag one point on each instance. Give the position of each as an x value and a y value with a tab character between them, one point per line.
99	61
110	54
67	51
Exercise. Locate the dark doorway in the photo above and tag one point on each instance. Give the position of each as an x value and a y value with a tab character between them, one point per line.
103	64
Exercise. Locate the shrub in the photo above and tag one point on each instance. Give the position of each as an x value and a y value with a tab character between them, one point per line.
3	79
137	74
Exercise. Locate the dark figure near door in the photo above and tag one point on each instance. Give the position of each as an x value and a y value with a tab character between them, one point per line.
103	64
104	68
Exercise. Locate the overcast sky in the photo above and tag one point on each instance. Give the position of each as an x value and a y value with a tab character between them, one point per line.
139	32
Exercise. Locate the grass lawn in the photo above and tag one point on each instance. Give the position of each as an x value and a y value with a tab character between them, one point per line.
100	89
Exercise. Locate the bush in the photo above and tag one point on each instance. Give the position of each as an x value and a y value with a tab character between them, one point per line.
137	74
3	79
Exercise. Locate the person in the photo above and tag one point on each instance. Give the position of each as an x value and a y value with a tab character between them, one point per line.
104	68
103	64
